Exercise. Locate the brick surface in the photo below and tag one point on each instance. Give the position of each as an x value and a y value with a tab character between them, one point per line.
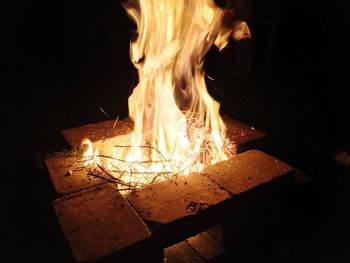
244	137
199	248
110	133
178	208
64	176
248	170
257	182
180	253
207	247
99	222
96	132
217	233
171	200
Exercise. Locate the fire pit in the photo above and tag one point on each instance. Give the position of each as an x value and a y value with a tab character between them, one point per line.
129	188
78	177
100	222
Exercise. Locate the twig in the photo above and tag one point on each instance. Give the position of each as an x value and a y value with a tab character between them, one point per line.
115	123
129	174
105	113
137	172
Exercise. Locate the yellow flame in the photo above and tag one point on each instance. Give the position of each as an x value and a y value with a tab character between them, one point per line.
88	151
177	126
173	37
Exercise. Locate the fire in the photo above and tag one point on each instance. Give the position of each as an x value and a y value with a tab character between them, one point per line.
177	126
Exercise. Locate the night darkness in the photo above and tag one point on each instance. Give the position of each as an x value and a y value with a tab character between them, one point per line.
65	60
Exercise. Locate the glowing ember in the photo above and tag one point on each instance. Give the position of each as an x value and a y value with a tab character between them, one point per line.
177	126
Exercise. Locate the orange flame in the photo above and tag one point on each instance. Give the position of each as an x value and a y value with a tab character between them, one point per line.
177	126
173	37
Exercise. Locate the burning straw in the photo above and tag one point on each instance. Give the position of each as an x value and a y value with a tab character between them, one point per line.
129	175
177	125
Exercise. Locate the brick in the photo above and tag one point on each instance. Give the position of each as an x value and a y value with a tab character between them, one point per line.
181	252
217	233
208	248
97	132
248	170
110	133
191	203
257	182
65	178
179	208
244	137
201	248
300	179
99	222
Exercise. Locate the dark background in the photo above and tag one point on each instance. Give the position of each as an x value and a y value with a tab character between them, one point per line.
64	60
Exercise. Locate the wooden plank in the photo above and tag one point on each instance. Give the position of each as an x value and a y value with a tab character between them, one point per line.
99	223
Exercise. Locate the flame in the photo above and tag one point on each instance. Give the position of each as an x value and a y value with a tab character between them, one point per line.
240	31
177	126
90	157
88	151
